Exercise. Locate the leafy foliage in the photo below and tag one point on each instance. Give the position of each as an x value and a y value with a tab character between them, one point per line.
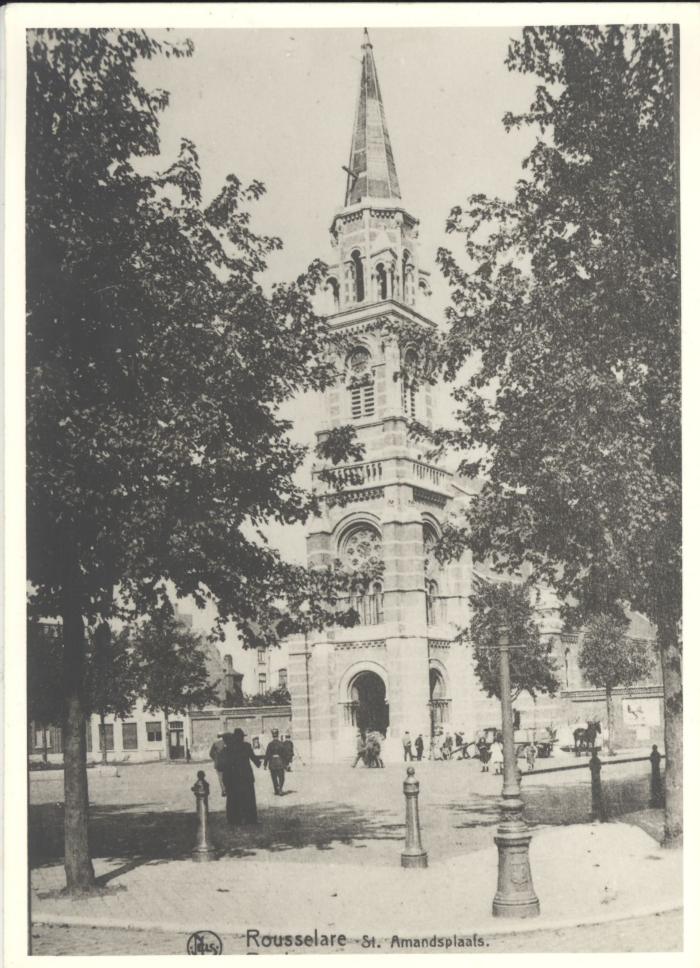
44	658
533	668
156	369
156	363
608	658
340	444
275	697
172	665
113	678
570	302
567	305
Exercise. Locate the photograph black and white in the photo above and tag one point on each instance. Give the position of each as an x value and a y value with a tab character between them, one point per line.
351	394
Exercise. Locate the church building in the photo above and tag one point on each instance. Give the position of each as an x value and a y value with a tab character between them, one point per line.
398	669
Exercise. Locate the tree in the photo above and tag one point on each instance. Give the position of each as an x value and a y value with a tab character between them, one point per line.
568	307
156	369
172	667
44	700
608	659
533	668
112	677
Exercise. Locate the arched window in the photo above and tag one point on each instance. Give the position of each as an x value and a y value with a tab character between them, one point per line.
382	282
333	288
360	383
359	275
377	603
361	552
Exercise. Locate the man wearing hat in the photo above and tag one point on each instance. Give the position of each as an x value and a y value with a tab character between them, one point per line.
217	748
275	760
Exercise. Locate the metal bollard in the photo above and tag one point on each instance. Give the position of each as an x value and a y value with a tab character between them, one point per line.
413	854
597	805
657	789
203	850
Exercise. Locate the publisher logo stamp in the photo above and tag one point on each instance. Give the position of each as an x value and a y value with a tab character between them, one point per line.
204	943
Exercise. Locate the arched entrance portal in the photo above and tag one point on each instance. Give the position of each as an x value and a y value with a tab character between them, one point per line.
439	704
368	697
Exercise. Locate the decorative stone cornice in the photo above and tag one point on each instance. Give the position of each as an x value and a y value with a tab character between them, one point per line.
361	644
435	645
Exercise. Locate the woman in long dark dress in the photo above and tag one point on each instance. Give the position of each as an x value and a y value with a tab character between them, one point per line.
239	781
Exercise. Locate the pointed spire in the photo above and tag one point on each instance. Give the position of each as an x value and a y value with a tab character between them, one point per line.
371	172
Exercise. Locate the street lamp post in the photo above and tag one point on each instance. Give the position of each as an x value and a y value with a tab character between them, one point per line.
515	896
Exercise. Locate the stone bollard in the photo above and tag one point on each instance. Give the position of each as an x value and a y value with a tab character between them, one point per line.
413	854
597	805
657	789
203	849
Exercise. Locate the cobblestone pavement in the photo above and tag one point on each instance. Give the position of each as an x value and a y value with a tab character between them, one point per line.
661	932
332	844
328	812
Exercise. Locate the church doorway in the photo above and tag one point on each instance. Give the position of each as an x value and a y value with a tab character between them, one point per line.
368	697
439	703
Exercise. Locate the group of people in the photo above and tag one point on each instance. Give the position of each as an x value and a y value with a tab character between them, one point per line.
442	746
369	750
232	757
490	754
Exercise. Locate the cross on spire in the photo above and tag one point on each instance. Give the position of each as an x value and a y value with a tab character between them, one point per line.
371	171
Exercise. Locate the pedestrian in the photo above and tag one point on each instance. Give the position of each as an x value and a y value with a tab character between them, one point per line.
484	753
239	780
530	755
447	747
288	752
420	746
274	759
407	751
188	755
217	748
373	757
361	751
497	757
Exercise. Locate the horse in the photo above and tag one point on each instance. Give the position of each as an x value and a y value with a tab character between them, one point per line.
584	738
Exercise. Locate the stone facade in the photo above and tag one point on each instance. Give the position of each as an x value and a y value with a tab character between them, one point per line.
395	671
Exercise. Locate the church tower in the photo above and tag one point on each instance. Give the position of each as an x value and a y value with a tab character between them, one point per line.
398	670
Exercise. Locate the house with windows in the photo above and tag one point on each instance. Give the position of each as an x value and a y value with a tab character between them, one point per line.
142	735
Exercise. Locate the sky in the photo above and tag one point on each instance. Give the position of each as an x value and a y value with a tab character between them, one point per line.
278	106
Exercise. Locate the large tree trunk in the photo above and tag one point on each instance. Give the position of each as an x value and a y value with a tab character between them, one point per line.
80	875
672	669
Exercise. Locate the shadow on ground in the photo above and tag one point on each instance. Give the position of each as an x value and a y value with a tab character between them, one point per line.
572	804
133	830
126	830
